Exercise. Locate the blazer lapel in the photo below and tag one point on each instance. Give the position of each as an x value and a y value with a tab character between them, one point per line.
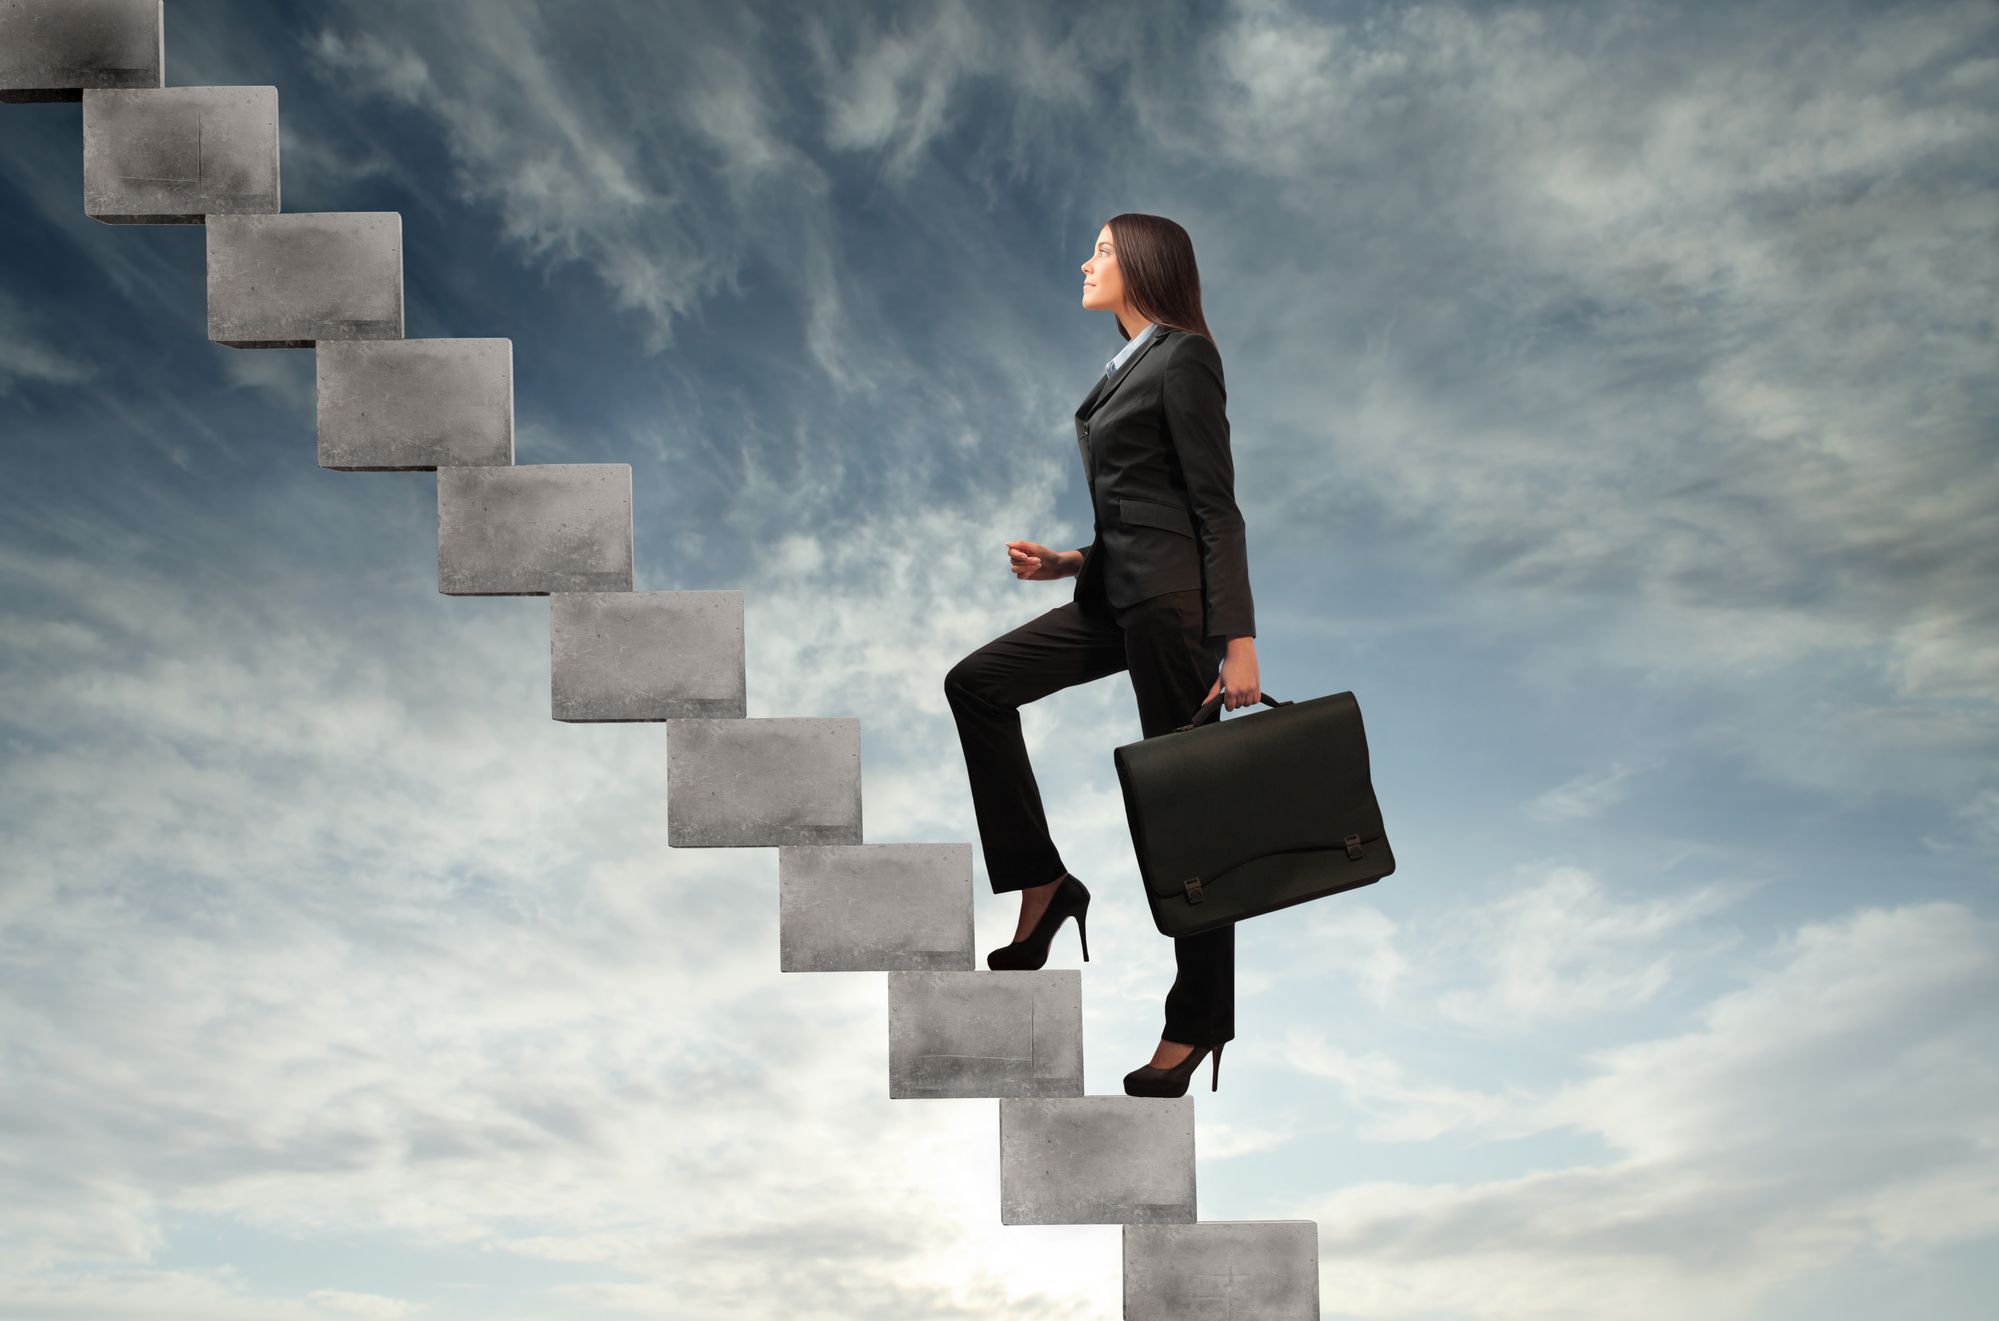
1108	386
1083	411
1089	404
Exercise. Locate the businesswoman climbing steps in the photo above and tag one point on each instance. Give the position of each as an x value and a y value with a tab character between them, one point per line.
1162	592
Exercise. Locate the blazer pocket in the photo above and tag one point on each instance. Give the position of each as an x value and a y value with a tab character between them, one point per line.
1144	513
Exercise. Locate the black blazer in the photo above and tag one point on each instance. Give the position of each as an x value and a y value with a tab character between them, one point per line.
1155	444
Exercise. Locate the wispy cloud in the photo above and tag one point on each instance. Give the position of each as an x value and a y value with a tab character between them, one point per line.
622	174
26	357
361	1304
1585	796
1561	947
1556	945
1401	1108
1735	1145
1620	361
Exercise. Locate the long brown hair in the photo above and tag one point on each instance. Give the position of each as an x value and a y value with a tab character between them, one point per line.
1161	280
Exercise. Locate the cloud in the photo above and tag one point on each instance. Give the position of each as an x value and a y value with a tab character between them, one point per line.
1221	1141
1622	326
24	357
168	1296
1401	1108
1557	945
1585	796
1833	1105
665	180
1983	814
894	94
361	1304
287	378
1562	948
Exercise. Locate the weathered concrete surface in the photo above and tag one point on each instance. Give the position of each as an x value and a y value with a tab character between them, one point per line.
51	50
646	656
288	282
1097	1160
985	1034
744	784
534	530
412	405
175	155
875	908
1222	1270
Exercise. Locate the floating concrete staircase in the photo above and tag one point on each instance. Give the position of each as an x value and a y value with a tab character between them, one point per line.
333	282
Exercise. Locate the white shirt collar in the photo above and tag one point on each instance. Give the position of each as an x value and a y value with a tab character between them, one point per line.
1124	354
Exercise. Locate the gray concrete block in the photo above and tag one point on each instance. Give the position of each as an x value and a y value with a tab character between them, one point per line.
288	282
51	50
875	908
646	656
175	155
985	1034
744	784
1222	1270
534	530
412	405
1097	1160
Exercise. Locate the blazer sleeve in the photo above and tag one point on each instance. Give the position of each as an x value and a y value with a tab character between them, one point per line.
1197	423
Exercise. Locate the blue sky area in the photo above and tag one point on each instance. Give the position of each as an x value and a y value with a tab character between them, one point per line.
1614	408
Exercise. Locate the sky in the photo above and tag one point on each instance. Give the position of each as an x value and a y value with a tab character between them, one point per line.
1614	411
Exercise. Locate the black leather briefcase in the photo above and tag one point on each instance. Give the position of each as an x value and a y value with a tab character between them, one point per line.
1236	818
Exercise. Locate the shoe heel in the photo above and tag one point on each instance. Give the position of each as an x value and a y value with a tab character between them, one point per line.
1083	931
1071	900
1215	1078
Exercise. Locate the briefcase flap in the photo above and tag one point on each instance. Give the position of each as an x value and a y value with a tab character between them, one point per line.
1294	777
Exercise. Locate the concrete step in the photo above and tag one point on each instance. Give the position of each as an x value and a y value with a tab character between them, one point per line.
51	50
288	282
745	784
1097	1160
1222	1270
175	155
534	530
875	908
414	405
985	1034
646	656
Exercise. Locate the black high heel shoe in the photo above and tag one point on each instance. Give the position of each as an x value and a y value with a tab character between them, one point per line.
1149	1081
1069	900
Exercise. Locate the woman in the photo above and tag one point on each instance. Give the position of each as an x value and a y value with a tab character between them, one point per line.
1162	592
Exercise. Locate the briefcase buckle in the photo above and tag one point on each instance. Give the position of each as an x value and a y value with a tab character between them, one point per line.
1194	895
1353	847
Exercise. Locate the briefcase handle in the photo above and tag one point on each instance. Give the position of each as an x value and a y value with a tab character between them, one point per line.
1353	845
1214	704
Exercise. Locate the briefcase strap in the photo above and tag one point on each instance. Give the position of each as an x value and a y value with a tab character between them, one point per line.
1214	704
1353	844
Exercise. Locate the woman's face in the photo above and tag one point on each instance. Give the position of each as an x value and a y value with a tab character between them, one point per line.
1103	285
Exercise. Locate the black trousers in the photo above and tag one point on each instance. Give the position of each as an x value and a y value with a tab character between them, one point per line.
1172	667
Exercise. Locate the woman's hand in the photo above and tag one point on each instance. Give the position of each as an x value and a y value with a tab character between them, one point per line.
1035	563
1239	676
